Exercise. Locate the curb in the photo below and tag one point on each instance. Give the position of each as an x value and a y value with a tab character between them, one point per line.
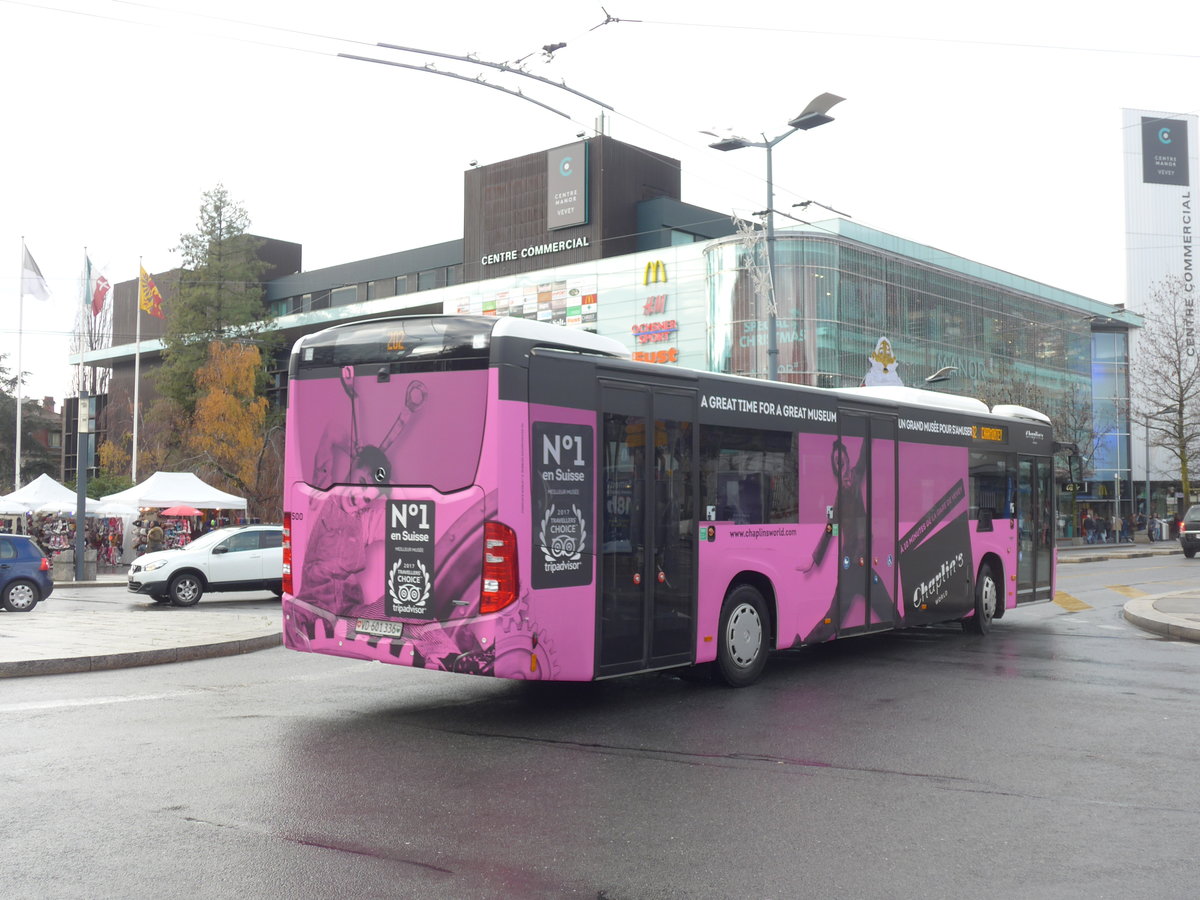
1073	559
109	661
1141	612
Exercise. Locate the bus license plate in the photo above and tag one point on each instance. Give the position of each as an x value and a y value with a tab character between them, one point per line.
375	626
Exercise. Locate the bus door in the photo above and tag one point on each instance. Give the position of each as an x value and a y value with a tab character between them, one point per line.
647	595
864	464
1035	528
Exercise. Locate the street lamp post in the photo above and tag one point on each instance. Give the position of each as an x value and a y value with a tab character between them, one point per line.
1146	423
945	373
816	113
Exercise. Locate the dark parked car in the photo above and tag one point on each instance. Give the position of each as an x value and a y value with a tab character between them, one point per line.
1189	532
25	573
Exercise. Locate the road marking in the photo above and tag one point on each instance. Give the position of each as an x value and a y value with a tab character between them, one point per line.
1070	603
40	705
1128	591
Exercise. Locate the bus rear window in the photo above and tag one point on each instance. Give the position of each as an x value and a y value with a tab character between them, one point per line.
458	343
413	429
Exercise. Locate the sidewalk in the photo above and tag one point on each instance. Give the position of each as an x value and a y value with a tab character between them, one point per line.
98	625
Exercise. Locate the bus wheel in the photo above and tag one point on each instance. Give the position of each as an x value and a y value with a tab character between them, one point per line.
742	651
987	595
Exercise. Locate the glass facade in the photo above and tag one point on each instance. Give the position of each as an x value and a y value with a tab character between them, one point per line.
1112	457
837	298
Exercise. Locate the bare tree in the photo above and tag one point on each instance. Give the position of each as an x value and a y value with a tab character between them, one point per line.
93	331
1166	374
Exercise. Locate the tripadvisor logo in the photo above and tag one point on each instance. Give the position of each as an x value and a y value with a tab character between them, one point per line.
562	537
409	588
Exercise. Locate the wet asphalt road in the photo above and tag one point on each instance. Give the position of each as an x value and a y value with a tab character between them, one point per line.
1054	758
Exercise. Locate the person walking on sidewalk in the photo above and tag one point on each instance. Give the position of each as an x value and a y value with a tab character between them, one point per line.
1089	528
1102	529
1127	530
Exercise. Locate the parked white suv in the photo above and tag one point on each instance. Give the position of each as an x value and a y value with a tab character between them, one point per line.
246	558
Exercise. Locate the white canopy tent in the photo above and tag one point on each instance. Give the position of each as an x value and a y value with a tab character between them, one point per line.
41	490
163	489
68	507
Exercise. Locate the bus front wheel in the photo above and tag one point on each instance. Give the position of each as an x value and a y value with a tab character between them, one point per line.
987	596
742	650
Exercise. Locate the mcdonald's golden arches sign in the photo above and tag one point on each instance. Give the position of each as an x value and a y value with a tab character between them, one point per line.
656	271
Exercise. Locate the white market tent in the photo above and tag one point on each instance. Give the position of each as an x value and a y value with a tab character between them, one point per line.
42	490
68	507
163	489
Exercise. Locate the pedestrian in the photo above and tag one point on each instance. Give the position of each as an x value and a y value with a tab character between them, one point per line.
1127	529
1102	529
154	538
1089	528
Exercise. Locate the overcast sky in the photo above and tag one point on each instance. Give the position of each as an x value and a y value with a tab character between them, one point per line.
991	132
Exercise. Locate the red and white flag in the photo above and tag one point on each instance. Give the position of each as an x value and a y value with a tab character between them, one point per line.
95	287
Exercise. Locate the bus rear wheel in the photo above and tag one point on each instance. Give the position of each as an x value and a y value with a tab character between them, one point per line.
987	598
742	647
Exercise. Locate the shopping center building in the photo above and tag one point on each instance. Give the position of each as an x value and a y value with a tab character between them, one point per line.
595	235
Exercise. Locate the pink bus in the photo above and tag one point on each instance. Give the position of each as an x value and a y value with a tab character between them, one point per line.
504	497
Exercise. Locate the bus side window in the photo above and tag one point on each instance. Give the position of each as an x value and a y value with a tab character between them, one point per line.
750	476
991	489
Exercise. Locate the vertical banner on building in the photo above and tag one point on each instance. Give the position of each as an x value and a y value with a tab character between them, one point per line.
1164	151
566	186
563	505
1160	199
1160	166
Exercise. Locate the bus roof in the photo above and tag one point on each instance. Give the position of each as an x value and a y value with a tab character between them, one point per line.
1013	411
910	396
538	332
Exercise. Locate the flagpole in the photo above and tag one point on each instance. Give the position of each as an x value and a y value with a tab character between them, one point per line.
137	367
20	335
83	308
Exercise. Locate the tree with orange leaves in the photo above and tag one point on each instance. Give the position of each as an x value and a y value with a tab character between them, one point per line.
230	430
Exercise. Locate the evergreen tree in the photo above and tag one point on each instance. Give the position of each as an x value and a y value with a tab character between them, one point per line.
218	295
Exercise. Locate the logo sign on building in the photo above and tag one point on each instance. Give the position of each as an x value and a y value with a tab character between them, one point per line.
651	336
563	505
656	271
566	186
1164	151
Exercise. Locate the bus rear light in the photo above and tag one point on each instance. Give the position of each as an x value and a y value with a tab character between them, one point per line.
500	585
287	552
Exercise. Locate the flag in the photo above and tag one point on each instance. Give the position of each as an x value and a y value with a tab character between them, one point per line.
95	287
32	281
149	299
99	294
